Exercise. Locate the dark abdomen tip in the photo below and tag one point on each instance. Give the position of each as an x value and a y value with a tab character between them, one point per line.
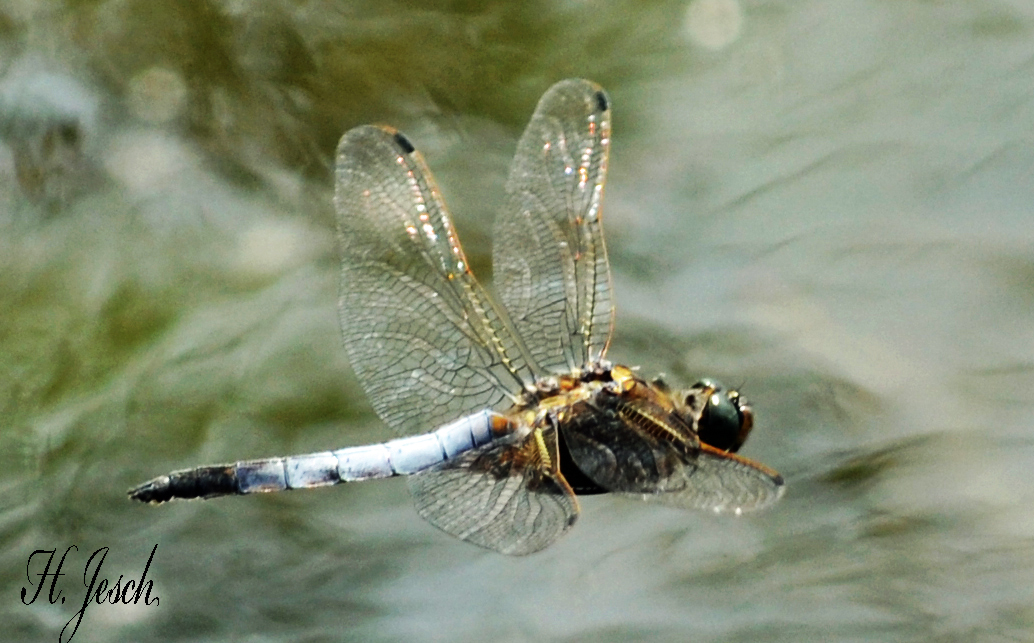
203	482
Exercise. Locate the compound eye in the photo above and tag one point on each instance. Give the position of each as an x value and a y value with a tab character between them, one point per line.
726	420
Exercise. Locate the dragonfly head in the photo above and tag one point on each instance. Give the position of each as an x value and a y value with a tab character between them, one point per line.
722	417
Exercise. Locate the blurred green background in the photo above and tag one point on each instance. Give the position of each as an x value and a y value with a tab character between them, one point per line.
830	204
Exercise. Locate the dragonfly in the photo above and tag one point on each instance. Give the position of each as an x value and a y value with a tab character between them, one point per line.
505	412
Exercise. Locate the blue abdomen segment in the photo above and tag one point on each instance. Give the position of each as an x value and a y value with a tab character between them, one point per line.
401	457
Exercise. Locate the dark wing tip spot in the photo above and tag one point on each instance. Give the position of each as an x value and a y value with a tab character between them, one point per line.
404	143
602	101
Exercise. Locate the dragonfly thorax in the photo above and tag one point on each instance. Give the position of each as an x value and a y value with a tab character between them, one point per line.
551	386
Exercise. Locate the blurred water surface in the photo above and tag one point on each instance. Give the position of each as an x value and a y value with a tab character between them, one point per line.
828	203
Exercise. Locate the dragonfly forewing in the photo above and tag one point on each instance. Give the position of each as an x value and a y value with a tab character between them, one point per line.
721	482
549	257
700	477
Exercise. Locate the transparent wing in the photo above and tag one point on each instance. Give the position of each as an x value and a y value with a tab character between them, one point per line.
424	339
636	448
720	482
549	259
501	497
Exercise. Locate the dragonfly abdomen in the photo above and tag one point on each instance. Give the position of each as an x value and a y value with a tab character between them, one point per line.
401	457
